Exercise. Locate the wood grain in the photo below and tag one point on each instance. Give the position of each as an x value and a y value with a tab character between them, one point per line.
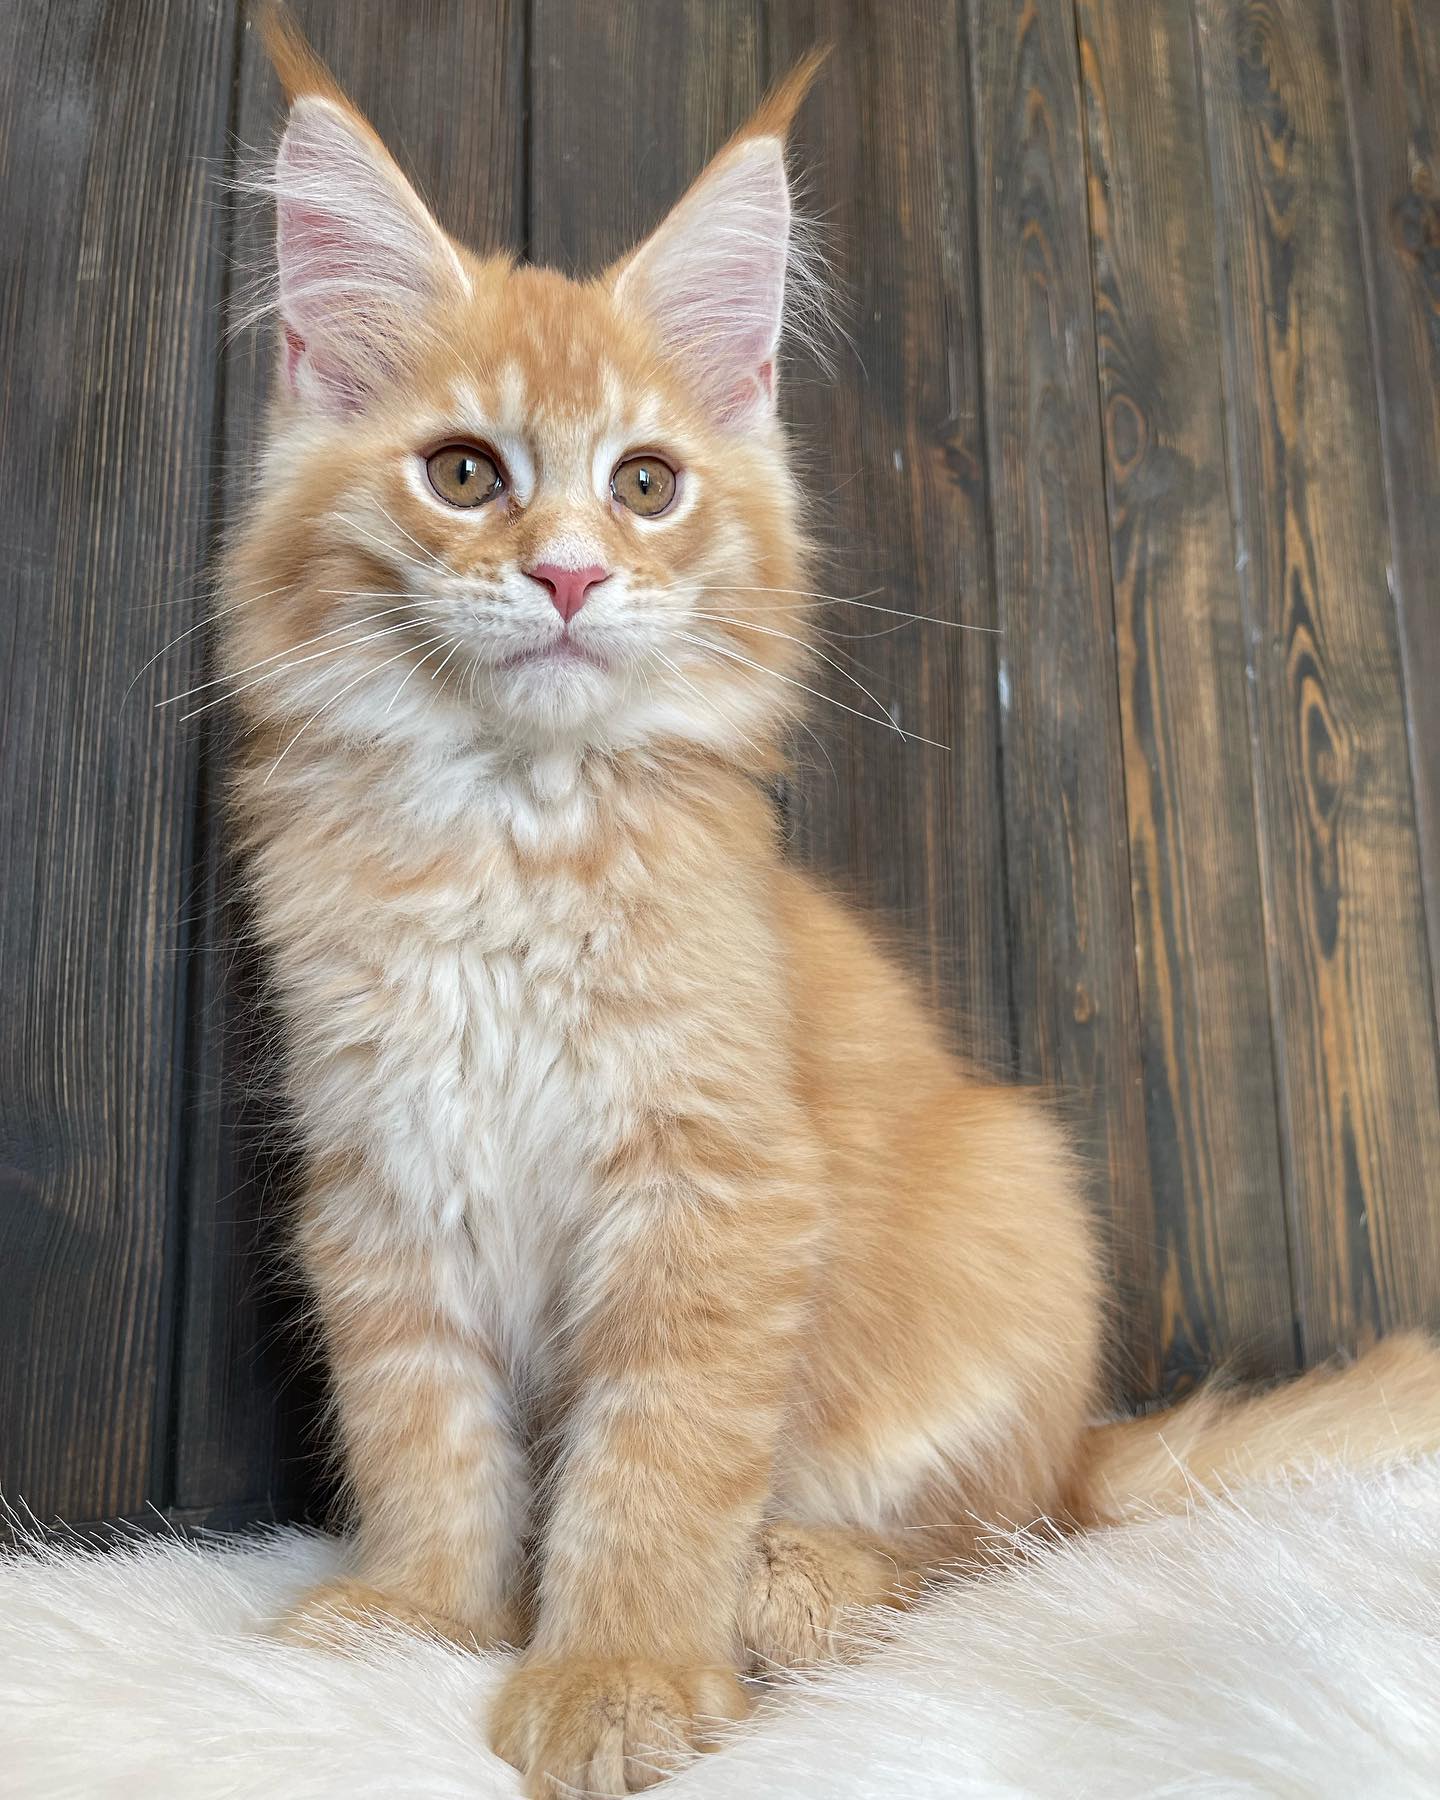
627	103
1194	878
1166	428
443	82
109	295
893	444
1352	1012
1390	55
1073	956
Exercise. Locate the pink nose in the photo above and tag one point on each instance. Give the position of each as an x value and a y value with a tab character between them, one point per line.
569	588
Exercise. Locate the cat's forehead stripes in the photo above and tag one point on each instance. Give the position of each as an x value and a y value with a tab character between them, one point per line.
512	396
542	346
501	425
564	445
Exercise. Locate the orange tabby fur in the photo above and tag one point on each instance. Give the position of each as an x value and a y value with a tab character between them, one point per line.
682	1291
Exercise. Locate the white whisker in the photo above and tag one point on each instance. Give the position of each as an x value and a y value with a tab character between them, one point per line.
410	676
368	594
299	662
390	549
427	553
279	656
212	613
709	700
819	742
364	675
435	674
851	600
819	694
810	649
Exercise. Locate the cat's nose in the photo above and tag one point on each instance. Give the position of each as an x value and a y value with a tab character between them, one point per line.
569	588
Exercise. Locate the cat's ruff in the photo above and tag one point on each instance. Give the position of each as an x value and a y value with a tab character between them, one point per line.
1286	1644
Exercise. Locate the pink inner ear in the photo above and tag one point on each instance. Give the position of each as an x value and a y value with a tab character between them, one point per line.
318	246
360	260
712	278
294	350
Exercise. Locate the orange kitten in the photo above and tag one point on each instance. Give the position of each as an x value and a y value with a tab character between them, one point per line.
681	1291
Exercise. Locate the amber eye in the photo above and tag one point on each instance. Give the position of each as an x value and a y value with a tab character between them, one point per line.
644	484
464	474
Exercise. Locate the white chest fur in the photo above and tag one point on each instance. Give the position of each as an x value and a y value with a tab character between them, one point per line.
488	1000
484	1123
445	1040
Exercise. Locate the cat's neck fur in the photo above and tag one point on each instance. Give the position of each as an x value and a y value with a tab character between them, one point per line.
423	797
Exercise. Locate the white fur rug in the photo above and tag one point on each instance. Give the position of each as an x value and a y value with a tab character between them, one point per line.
1284	1642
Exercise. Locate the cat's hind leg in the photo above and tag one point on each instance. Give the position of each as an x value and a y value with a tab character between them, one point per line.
330	1615
850	1541
809	1591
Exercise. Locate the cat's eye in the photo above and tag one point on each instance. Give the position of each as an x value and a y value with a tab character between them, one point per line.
645	484
464	474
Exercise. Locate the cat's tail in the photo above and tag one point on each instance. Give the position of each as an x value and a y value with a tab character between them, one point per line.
1384	1406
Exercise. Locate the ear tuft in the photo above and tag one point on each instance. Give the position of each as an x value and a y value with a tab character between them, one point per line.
300	70
776	112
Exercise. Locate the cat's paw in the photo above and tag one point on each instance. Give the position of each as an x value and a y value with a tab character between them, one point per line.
336	1615
808	1592
609	1727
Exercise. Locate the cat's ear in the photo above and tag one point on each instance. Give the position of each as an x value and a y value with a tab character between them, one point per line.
362	265
710	280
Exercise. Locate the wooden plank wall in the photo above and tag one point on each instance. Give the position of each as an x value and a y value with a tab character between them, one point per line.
1135	397
110	285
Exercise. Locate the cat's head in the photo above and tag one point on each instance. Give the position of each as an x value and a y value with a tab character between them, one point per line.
503	504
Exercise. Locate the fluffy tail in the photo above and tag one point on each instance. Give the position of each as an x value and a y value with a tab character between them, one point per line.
1384	1406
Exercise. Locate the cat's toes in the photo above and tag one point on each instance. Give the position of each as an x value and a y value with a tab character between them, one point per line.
337	1614
807	1591
608	1727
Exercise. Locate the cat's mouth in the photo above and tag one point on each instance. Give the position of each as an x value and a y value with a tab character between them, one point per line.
560	650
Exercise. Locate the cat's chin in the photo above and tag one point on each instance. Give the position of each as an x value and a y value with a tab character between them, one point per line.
558	653
552	695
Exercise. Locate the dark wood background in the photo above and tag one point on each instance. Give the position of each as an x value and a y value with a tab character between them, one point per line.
1144	348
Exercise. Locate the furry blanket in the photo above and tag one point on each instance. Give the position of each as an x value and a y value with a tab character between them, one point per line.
1285	1641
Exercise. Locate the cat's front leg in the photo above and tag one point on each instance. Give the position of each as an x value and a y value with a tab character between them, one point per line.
438	1477
682	1342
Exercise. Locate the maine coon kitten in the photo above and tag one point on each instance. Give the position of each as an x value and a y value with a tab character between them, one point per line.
681	1291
